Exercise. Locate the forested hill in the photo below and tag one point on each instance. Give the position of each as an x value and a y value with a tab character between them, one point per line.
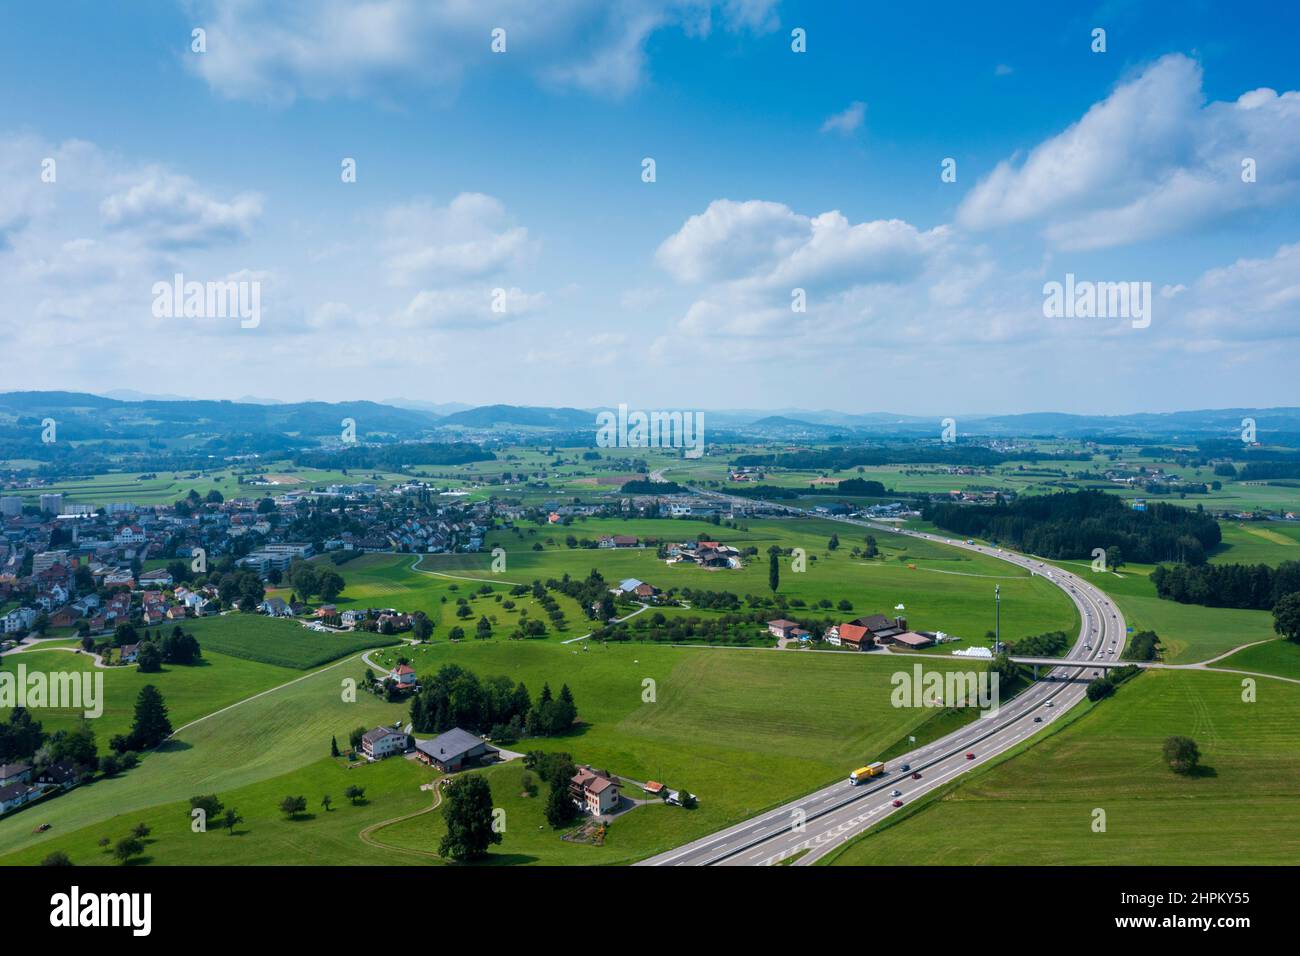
1072	524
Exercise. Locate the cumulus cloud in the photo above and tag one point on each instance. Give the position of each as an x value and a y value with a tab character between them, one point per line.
1150	159
168	210
748	258
281	51
1250	299
848	120
470	237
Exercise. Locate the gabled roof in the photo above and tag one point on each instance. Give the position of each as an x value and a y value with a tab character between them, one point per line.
853	633
379	733
454	743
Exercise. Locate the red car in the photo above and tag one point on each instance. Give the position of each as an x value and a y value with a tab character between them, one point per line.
970	755
916	776
898	803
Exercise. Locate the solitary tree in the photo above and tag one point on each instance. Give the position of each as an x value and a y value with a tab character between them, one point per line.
325	802
1286	616
469	819
773	568
230	820
126	848
1182	754
151	726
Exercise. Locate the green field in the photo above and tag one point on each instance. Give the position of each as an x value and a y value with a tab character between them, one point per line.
265	837
1037	808
744	729
1273	657
1189	632
1258	542
276	641
190	692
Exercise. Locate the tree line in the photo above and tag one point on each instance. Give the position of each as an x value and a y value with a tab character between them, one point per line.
1073	524
1254	586
496	706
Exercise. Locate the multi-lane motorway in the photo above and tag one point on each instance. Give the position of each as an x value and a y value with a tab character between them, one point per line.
825	819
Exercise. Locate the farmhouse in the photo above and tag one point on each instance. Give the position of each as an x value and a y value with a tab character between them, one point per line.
11	773
15	795
706	554
405	675
619	541
781	627
383	742
595	791
454	750
913	640
883	630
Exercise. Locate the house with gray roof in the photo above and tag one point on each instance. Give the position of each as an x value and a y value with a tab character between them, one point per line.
455	750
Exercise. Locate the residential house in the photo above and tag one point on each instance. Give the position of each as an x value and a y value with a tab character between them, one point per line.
63	775
383	742
11	773
595	791
454	750
15	795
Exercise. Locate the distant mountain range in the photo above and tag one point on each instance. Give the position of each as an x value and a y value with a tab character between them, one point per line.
127	415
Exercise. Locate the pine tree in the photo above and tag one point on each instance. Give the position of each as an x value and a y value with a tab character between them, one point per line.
151	726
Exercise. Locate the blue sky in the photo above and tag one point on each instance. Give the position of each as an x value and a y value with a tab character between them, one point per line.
521	171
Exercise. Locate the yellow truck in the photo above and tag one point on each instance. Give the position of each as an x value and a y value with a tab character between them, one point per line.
867	772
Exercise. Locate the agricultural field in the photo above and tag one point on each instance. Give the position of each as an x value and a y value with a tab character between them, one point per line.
190	692
1189	632
1278	657
283	729
285	644
744	729
1258	542
165	487
1036	808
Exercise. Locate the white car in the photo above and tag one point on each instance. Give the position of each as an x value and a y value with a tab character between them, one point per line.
896	793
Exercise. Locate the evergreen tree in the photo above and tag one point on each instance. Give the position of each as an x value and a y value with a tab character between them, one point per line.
152	725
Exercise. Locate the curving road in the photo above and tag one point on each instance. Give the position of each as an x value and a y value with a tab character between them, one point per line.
825	819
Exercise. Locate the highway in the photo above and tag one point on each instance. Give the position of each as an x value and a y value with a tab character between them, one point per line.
823	820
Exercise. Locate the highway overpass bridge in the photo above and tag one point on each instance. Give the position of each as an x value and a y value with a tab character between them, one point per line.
1092	664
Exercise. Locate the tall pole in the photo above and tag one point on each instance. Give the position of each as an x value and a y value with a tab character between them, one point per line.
997	619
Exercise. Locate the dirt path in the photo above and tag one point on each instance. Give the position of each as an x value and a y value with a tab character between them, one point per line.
367	834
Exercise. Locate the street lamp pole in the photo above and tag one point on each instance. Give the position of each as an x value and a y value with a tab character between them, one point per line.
997	619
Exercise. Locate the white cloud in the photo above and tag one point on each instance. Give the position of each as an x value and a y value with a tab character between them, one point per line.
163	209
281	51
848	120
1251	299
470	237
1151	159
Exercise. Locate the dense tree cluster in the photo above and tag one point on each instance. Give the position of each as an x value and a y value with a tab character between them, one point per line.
1256	586
1072	524
455	697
